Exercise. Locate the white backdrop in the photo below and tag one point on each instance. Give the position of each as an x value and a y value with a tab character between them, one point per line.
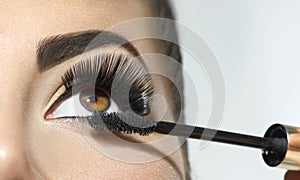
257	44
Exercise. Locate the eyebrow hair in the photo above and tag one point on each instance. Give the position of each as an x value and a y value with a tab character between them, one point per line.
54	50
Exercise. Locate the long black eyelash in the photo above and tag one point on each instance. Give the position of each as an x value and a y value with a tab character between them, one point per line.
126	79
121	122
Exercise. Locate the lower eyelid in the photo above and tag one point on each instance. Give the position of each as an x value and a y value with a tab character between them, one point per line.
69	124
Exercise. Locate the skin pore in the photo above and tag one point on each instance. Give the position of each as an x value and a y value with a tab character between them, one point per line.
30	147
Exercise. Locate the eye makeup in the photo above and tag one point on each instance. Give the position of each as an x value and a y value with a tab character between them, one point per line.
102	81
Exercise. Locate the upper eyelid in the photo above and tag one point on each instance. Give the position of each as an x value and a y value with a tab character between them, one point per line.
87	68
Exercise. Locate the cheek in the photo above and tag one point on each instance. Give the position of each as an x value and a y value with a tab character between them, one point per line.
59	150
61	153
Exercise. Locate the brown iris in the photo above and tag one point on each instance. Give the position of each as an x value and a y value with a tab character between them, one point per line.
94	99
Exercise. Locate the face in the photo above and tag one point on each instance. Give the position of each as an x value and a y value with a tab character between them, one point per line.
33	143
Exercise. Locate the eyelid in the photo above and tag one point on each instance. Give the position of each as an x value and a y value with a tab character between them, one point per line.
101	70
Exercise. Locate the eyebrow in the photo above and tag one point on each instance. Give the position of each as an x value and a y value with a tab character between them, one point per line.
54	50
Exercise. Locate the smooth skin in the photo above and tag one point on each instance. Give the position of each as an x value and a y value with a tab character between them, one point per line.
30	147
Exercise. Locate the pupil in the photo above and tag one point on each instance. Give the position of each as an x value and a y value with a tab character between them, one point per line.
92	99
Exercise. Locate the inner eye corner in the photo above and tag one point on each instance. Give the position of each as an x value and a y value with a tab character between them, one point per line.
48	113
57	94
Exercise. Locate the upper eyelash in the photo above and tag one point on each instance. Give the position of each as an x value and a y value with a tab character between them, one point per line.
106	69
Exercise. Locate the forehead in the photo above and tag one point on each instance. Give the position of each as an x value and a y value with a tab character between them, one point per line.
24	23
52	17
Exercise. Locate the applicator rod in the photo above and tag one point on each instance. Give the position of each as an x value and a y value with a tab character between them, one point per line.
215	135
280	145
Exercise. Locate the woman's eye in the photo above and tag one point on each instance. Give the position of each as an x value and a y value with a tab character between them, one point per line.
87	87
84	103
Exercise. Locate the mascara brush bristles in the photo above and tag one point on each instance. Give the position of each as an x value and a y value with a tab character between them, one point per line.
129	123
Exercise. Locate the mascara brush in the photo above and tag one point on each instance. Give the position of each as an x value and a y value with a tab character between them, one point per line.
279	145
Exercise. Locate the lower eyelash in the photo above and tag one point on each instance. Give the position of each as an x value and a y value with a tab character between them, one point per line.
115	70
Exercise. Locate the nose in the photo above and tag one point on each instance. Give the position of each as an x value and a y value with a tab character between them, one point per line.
14	163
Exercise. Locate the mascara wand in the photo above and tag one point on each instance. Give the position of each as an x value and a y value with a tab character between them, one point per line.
215	135
280	145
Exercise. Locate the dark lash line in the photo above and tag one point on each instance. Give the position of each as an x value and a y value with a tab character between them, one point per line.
115	71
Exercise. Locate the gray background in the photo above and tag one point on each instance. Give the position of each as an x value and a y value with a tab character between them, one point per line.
257	45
